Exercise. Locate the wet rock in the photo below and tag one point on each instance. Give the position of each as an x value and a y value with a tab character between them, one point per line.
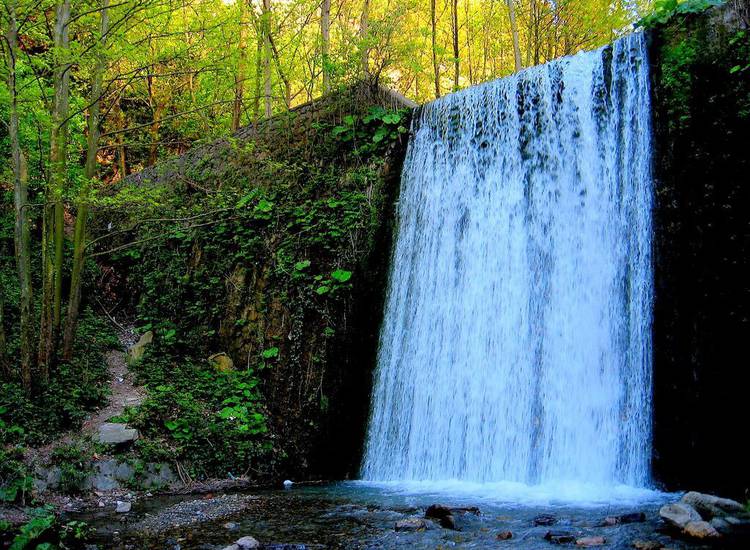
442	514
588	542
544	520
504	535
560	537
231	526
634	517
678	514
247	543
700	530
721	525
138	350
711	506
114	434
647	545
411	524
123	507
221	362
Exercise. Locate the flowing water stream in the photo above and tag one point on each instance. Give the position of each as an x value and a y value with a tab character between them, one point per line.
516	345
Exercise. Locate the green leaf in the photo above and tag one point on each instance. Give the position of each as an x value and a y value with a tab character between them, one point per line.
341	275
270	353
322	290
301	266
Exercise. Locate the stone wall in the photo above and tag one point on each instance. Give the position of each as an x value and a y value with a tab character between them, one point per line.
701	98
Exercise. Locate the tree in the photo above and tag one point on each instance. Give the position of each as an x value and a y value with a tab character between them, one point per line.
22	238
514	34
79	236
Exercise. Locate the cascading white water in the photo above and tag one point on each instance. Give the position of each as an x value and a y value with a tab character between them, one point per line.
516	343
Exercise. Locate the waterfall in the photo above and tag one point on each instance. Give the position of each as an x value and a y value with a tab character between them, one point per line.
516	343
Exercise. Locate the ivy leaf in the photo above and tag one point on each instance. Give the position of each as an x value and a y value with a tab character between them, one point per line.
341	275
270	353
322	290
301	266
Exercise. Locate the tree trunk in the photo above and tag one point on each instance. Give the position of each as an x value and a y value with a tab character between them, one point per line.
435	66
454	30
266	25
258	77
239	77
514	32
79	237
52	238
364	28
325	43
20	198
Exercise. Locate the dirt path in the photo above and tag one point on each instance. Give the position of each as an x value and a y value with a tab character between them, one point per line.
123	392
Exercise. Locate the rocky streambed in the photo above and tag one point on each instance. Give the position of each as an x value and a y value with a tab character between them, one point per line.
362	517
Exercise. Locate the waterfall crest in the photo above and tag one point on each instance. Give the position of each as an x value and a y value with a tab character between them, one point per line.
516	342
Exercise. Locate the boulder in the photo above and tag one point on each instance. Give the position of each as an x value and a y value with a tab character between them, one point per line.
560	537
633	517
721	525
114	434
700	530
221	362
247	543
678	514
504	535
138	350
588	542
411	524
710	506
123	507
442	514
545	520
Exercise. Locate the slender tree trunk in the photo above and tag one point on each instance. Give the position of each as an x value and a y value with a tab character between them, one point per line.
20	198
122	163
79	237
239	77
364	29
266	25
435	66
514	32
52	232
157	108
325	43
258	77
454	31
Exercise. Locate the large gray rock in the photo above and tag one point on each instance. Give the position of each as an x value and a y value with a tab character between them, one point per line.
700	530
679	514
247	543
114	434
138	350
123	507
711	506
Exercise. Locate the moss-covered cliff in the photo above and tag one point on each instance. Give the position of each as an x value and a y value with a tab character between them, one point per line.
278	260
701	99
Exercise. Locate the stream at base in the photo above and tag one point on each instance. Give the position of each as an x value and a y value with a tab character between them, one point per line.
363	516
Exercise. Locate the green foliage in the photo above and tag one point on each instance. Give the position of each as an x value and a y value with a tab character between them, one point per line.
74	467
213	421
371	133
44	531
40	522
15	481
74	389
664	10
